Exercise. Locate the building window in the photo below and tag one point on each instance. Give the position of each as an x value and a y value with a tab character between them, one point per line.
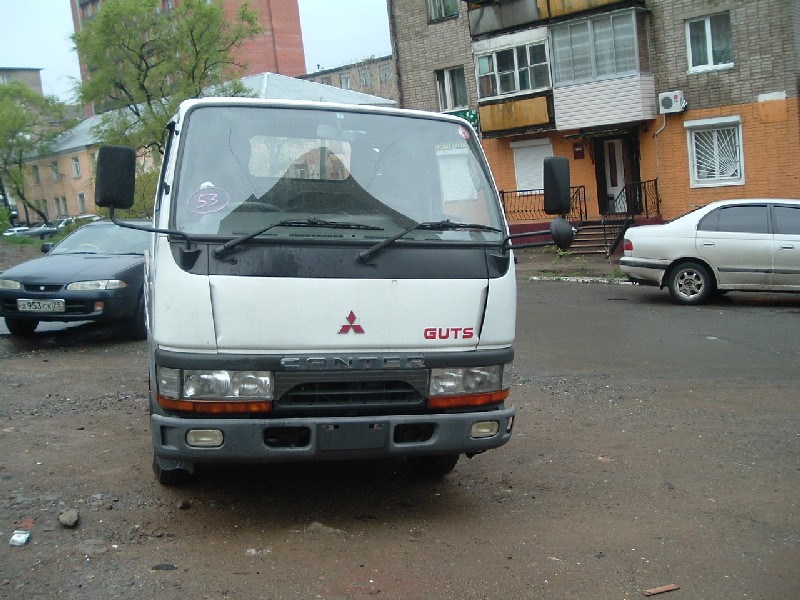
452	88
441	9
596	49
326	80
513	70
57	204
344	82
81	203
385	73
76	167
43	208
363	77
35	174
93	161
54	171
715	152
709	42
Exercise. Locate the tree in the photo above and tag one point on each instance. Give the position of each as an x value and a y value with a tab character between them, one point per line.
142	63
29	123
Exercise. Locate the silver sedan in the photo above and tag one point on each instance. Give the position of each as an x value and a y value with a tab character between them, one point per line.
743	245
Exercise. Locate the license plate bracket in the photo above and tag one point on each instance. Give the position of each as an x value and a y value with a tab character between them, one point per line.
353	436
33	305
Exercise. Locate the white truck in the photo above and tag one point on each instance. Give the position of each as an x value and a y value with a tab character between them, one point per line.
324	282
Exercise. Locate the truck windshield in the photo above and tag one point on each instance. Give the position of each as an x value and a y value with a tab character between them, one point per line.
254	168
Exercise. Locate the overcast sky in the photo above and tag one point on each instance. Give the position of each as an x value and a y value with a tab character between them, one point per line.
36	34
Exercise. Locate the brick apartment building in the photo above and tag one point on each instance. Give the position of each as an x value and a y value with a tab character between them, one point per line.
376	76
660	105
32	78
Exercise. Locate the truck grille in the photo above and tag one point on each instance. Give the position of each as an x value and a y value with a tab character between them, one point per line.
362	392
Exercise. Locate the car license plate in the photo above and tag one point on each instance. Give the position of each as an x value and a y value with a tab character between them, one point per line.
40	305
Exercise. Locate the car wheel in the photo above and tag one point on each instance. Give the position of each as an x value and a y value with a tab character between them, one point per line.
433	466
21	327
690	283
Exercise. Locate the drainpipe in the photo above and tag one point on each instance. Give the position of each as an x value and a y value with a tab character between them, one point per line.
393	37
655	137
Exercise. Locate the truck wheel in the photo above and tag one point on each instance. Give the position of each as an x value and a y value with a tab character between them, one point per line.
433	466
169	477
21	327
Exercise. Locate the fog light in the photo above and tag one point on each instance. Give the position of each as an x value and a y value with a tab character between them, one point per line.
99	306
485	429
510	424
204	438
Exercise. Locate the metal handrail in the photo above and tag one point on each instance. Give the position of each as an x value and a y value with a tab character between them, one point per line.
528	205
640	198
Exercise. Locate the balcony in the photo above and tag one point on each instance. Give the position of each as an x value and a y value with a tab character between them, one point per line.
621	100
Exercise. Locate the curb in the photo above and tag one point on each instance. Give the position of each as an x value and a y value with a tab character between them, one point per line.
572	279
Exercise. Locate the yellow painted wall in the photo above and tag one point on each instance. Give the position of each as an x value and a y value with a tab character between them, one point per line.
69	185
560	8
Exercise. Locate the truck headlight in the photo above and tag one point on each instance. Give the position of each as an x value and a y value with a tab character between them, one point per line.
216	384
465	380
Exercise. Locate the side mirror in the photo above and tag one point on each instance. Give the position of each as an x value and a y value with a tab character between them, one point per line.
562	233
116	177
557	200
47	247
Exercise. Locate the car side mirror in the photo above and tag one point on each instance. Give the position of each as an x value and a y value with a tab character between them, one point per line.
557	199
47	247
116	177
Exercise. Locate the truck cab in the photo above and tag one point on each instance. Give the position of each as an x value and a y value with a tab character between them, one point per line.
325	282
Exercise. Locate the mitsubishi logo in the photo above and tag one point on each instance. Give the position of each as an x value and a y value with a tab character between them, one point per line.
350	325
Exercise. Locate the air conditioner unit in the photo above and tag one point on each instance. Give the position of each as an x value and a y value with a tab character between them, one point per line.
671	102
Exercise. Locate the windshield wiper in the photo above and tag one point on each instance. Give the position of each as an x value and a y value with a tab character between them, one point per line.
446	225
312	222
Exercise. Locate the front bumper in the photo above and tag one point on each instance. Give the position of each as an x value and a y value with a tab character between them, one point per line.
328	438
79	306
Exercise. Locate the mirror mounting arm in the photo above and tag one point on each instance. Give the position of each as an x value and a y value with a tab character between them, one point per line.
189	253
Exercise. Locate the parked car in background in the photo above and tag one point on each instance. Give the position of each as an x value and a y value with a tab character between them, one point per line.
95	273
15	231
49	229
743	245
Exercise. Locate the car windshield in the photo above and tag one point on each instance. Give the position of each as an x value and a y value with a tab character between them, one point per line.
105	238
343	175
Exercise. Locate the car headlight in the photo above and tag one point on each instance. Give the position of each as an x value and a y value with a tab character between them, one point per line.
99	284
215	384
9	284
459	381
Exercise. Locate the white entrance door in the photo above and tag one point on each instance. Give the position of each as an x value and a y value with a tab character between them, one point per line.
529	162
615	176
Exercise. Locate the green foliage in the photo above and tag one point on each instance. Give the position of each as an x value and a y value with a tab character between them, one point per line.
143	63
29	123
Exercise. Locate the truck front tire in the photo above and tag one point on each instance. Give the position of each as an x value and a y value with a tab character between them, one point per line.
169	477
433	466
